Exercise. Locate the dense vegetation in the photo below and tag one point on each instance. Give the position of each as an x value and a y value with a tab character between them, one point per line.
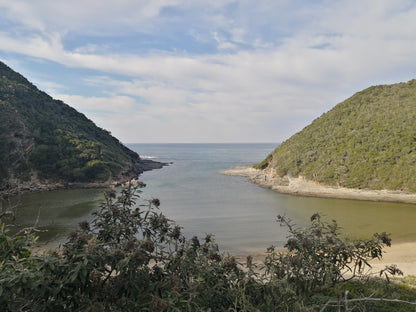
367	141
45	139
132	258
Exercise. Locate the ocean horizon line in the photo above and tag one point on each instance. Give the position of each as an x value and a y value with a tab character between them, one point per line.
200	143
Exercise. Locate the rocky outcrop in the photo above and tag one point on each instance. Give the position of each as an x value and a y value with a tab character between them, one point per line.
301	186
35	185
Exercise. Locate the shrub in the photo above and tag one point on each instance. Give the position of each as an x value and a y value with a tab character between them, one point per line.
318	256
130	257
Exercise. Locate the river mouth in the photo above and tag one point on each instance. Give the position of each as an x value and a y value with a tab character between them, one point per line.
194	193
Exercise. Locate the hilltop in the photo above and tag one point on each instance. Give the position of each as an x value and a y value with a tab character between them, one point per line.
367	142
45	143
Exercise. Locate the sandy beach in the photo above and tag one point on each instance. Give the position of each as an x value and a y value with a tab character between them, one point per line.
402	254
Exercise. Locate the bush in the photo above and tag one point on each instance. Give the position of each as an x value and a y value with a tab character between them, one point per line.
319	256
132	258
129	258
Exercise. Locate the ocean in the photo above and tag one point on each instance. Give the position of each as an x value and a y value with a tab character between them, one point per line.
193	192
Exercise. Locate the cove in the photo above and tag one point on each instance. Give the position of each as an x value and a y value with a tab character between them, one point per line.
195	194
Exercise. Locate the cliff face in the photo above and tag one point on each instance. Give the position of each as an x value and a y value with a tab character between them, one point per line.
46	143
367	141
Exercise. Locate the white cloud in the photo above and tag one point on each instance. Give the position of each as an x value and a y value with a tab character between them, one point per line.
223	44
270	77
105	105
93	16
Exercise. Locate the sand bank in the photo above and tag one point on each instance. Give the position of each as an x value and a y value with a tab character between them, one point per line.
401	254
302	187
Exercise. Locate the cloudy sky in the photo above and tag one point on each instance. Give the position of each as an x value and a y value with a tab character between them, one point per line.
207	70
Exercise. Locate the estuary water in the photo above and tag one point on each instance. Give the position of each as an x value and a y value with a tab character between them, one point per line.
195	194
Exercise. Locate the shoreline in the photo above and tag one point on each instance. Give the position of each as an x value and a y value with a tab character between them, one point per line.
130	176
24	188
401	254
301	187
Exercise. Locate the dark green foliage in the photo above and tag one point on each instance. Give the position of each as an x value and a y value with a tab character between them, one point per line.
367	141
45	136
130	257
264	163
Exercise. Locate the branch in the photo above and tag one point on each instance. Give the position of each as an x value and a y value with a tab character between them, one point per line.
346	301
4	213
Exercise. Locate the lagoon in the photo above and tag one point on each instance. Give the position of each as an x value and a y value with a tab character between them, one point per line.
195	194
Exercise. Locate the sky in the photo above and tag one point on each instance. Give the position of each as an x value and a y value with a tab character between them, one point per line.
199	71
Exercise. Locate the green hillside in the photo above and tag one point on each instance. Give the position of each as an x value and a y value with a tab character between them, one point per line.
44	140
367	141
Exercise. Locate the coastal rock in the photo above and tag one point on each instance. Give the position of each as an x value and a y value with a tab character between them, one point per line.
303	187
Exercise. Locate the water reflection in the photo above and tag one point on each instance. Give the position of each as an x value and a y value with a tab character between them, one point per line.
54	213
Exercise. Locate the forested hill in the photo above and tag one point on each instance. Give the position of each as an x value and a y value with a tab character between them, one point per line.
367	141
44	141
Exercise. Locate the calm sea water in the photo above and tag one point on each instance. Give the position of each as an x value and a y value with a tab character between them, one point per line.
195	194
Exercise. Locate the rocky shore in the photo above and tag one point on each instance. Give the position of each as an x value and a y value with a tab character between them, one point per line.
36	185
302	187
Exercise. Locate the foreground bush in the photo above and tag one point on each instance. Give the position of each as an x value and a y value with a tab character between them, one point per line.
132	258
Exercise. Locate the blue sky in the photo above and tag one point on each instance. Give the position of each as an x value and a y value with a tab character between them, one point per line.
207	71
